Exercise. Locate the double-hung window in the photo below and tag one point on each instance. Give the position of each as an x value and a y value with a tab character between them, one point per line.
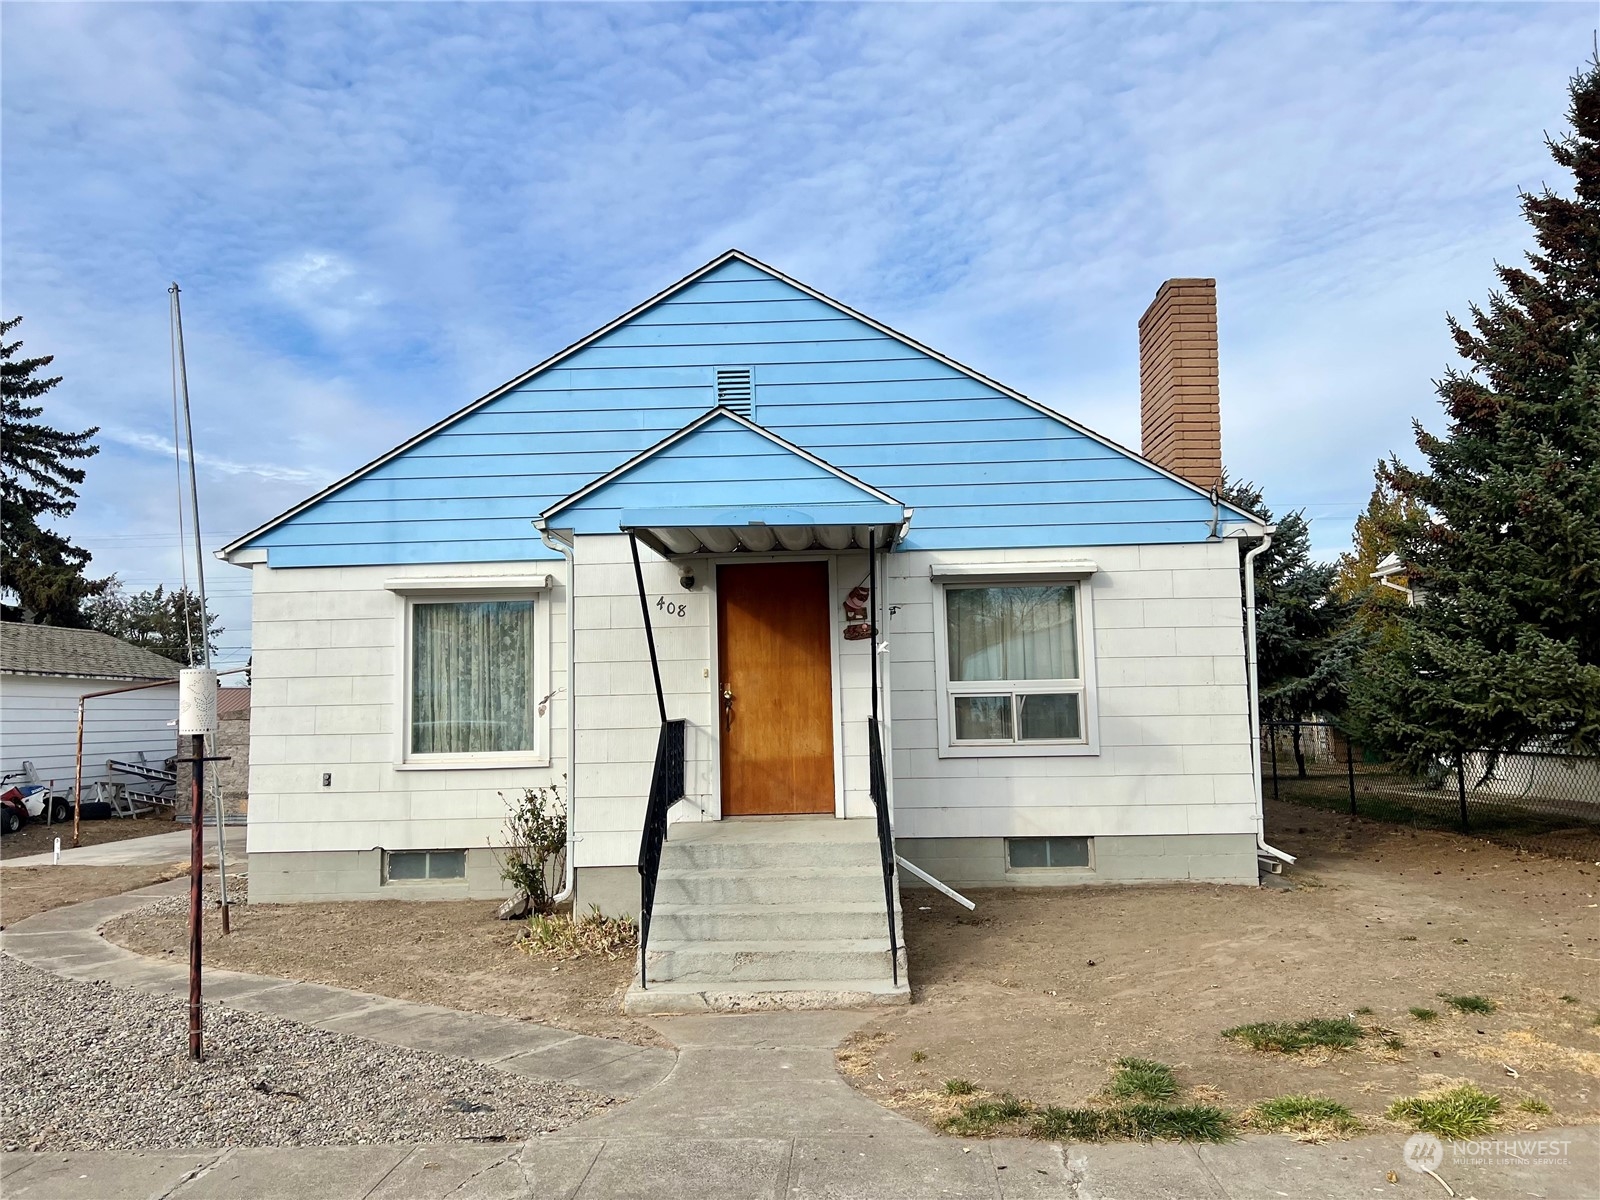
1014	666
472	665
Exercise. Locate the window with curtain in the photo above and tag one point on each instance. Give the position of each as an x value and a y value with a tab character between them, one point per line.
1015	674
472	677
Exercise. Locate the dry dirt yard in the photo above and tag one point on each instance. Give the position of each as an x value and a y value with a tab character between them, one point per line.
37	838
452	953
25	891
1038	993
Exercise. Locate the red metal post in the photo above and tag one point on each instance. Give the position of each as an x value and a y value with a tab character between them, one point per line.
197	855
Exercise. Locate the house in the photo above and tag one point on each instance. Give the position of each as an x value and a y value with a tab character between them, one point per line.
1058	681
1393	574
46	669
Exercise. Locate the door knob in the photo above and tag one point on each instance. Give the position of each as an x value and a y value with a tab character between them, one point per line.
727	704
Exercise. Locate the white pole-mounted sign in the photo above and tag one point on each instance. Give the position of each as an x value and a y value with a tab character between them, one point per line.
197	701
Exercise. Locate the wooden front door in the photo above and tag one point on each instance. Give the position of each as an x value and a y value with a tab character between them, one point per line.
776	691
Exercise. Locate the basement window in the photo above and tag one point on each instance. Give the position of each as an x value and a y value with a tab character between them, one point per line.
421	866
1047	853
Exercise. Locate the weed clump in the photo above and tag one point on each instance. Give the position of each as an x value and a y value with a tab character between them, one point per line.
1142	1079
1312	1115
1459	1112
1137	1122
958	1087
1293	1037
985	1116
1480	1005
1424	1014
592	935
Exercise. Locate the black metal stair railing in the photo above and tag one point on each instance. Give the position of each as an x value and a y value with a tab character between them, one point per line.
880	804
666	789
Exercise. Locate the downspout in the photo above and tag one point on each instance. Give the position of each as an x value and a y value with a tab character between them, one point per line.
565	550
1255	692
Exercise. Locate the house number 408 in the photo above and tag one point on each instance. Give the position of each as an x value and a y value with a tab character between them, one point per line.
671	608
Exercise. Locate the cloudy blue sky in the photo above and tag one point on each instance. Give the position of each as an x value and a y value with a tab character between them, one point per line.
378	213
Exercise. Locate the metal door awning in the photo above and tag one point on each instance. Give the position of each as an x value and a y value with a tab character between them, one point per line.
767	528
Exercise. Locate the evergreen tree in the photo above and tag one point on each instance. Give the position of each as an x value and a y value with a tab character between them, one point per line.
39	567
1303	648
162	622
1503	650
1376	608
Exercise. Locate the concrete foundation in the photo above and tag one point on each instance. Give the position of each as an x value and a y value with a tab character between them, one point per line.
1150	858
302	877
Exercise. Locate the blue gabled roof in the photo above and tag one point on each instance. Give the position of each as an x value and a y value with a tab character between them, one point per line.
983	466
727	470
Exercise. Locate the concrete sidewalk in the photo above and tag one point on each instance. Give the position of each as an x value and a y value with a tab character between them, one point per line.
157	848
751	1106
818	1167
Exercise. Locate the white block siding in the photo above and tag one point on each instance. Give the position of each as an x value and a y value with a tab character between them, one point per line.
328	698
1173	717
1168	667
39	724
618	720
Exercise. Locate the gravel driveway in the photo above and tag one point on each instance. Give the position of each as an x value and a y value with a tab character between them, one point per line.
89	1066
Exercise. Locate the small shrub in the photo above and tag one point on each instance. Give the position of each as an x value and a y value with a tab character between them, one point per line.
1138	1122
985	1116
1534	1105
1459	1112
958	1087
919	1056
1424	1014
1292	1037
1481	1005
592	934
1139	1078
1303	1114
535	847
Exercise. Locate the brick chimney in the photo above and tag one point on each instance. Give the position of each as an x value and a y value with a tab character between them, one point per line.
1179	403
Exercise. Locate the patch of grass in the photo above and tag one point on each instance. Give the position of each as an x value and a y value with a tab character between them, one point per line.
1138	1122
985	1116
958	1087
1363	1011
919	1056
1459	1112
1304	1114
1394	1043
1142	1079
592	935
1569	999
1424	1014
1534	1105
1481	1005
1595	1020
1291	1037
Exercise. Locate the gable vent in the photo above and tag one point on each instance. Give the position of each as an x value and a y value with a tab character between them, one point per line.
736	389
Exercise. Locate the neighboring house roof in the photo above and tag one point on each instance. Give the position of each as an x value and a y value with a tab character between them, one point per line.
80	653
1388	566
865	398
233	702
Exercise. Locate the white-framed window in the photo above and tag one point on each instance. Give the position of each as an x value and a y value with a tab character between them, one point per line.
1013	667
423	866
1049	854
474	679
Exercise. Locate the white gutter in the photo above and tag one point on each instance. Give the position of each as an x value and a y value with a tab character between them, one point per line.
1255	691
565	550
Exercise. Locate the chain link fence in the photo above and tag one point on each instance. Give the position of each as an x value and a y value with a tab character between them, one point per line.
1532	800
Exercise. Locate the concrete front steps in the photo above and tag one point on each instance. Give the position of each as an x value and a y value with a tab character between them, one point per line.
769	913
